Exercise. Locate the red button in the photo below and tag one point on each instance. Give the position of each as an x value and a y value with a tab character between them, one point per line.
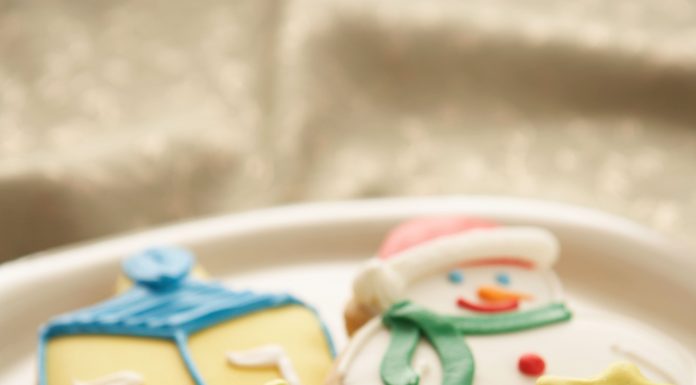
531	364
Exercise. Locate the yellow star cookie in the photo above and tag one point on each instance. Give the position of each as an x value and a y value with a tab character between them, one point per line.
277	382
621	373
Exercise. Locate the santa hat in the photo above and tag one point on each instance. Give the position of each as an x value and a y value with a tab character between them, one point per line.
423	246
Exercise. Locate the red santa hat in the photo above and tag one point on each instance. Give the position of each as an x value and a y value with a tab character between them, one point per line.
421	230
422	246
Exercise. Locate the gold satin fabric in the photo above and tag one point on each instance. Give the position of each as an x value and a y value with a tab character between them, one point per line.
121	115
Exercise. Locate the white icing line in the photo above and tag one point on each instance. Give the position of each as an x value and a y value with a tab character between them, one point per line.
265	356
637	357
357	343
118	378
529	243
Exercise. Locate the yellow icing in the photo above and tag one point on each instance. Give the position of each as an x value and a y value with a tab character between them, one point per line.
294	327
277	382
88	357
622	373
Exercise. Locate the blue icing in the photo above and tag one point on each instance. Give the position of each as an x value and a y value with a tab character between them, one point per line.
159	268
455	276
142	312
164	303
503	279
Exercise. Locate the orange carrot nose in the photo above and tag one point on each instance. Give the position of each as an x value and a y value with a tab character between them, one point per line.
494	293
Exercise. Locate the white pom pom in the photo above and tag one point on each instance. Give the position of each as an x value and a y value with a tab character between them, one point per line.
377	286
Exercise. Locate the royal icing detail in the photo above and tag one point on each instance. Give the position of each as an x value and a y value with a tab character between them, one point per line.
622	373
639	358
495	307
420	230
382	283
159	269
266	356
408	322
118	378
455	276
164	303
531	364
436	332
494	294
503	279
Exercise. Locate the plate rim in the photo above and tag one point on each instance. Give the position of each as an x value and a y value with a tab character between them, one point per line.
34	267
100	255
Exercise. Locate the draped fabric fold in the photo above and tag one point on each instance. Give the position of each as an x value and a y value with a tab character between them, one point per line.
117	116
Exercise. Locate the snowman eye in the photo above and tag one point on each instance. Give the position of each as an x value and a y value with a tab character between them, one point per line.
503	279
456	277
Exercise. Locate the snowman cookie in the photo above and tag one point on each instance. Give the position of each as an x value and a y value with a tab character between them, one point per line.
169	327
460	301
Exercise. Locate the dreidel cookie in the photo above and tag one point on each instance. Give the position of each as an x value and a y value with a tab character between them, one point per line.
171	328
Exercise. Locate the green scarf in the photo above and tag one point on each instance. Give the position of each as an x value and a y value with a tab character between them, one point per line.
407	321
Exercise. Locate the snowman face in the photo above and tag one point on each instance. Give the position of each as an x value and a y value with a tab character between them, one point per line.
489	288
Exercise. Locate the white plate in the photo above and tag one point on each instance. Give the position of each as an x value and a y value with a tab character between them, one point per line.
312	250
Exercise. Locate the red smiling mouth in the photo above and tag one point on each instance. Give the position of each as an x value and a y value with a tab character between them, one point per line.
493	307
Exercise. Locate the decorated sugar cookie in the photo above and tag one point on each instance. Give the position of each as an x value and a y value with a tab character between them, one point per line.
620	373
459	301
170	328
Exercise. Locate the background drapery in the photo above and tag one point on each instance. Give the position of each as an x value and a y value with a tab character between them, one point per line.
117	116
